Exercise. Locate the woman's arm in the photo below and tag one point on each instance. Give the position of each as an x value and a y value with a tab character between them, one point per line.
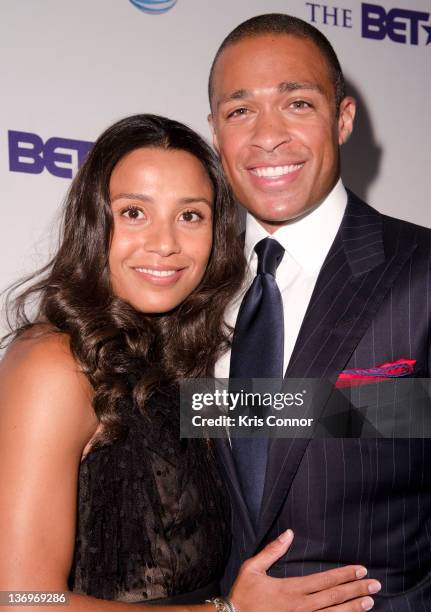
46	419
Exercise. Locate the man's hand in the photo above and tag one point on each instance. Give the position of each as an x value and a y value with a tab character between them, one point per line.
338	590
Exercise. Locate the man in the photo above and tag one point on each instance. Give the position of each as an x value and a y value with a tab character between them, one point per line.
349	286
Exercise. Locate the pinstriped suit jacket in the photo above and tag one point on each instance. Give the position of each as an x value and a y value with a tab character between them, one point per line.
349	501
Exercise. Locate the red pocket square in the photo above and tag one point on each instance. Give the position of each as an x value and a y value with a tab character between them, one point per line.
385	371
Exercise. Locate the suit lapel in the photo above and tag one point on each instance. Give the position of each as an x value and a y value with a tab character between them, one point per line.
228	465
361	266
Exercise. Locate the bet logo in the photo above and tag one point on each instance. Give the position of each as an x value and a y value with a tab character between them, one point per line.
60	156
399	25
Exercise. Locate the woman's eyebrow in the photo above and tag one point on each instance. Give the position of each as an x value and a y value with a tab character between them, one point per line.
196	200
132	196
146	198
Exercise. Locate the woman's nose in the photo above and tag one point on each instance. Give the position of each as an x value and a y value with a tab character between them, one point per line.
161	238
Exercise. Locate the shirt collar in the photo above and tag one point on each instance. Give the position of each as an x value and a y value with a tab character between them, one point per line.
307	239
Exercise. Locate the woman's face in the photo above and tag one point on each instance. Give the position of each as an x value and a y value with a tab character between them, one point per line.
162	235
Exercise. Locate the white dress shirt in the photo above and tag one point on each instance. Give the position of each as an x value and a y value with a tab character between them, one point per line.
306	241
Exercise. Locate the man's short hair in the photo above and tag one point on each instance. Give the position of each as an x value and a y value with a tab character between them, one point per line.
279	23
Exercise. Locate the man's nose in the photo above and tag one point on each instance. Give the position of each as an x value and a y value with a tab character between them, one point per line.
271	131
162	238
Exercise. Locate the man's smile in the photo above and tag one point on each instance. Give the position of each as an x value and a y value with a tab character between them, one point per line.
275	172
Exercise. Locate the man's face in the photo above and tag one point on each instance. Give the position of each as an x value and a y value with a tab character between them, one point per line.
275	125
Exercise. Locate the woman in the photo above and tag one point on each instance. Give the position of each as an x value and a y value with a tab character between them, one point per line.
99	494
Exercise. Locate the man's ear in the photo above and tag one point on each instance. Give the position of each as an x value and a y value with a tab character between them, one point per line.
213	132
346	117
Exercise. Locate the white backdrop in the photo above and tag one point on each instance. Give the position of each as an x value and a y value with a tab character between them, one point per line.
68	69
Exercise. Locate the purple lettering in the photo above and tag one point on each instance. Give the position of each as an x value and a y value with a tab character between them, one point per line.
414	17
373	21
32	153
347	18
313	6
328	15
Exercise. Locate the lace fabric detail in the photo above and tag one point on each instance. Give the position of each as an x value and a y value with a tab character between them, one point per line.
152	511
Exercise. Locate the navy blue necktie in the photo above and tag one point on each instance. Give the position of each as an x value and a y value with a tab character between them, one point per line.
257	352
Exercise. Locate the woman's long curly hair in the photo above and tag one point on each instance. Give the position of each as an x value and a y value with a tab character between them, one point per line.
110	339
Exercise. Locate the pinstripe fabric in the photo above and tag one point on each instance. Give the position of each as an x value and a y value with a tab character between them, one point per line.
354	501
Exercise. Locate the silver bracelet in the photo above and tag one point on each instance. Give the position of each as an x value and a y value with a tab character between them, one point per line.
222	604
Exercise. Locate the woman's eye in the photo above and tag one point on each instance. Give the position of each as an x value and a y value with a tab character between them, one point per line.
132	213
191	216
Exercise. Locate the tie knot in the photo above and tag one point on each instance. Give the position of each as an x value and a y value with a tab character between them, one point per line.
269	255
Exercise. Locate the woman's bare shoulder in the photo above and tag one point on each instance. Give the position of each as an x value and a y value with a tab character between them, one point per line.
38	342
39	376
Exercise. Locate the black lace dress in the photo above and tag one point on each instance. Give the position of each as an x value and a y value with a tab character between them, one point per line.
152	512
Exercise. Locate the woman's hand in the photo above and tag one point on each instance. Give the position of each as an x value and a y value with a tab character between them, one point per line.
338	590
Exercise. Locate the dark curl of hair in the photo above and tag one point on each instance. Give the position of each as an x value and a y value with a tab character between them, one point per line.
110	339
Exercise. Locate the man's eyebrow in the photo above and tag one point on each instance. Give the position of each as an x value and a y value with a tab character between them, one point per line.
145	198
295	85
285	86
239	94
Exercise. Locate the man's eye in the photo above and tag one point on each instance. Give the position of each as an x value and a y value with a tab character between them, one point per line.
301	104
238	112
133	213
191	216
